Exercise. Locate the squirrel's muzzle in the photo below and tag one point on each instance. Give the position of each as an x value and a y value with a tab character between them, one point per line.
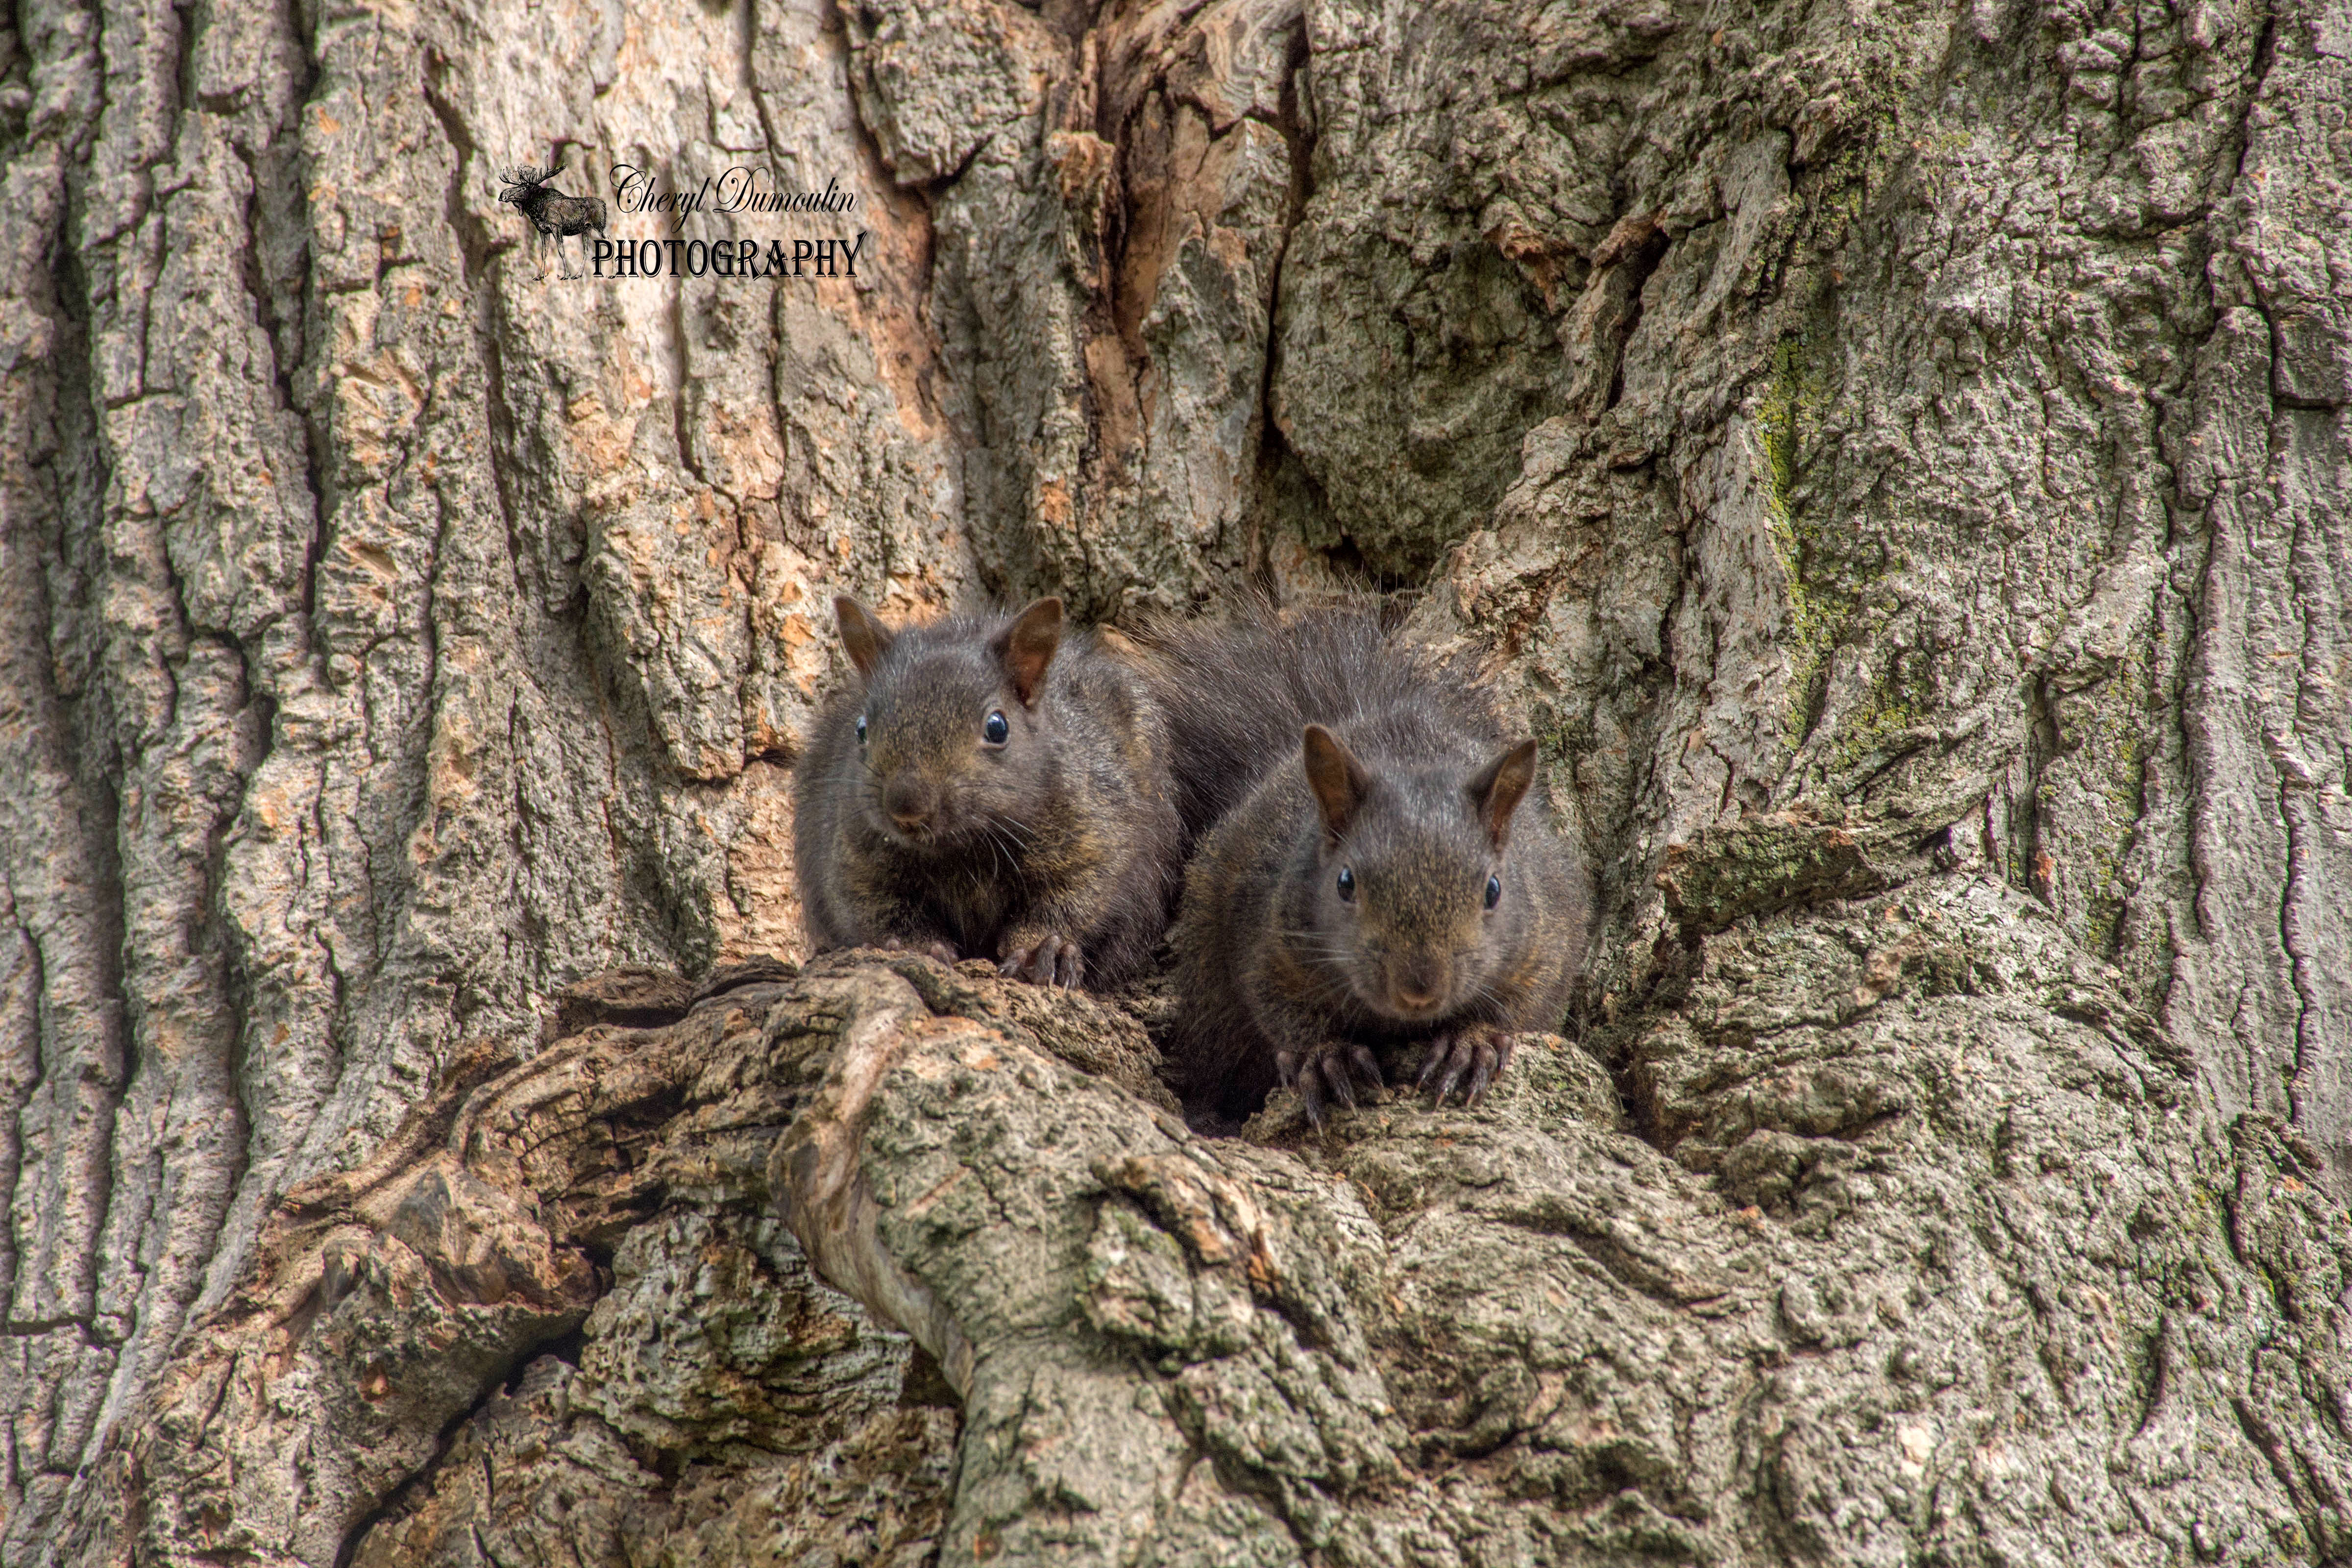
1416	982
911	805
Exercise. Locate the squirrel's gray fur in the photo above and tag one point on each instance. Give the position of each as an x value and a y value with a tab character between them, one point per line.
1054	853
1318	741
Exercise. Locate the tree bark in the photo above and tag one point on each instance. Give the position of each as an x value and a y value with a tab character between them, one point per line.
1895	455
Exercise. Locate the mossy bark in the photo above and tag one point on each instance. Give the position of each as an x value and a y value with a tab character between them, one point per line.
1893	454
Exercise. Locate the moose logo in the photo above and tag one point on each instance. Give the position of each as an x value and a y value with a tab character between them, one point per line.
554	216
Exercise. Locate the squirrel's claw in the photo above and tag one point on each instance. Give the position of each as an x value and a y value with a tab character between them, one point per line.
1050	959
1332	1070
1479	1052
943	950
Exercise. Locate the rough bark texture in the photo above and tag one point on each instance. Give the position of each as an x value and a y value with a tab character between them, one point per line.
1896	454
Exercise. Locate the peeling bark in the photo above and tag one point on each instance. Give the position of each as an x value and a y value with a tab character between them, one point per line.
1896	458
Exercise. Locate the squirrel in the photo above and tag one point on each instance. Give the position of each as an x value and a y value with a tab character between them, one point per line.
988	786
1386	874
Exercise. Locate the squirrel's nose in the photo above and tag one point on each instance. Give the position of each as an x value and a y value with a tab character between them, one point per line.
909	802
1418	982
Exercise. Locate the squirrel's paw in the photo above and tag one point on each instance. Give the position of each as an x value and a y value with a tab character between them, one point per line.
943	950
1326	1072
1043	959
1478	1052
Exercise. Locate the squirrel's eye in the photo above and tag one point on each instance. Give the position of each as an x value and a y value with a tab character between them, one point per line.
1494	891
997	730
1347	883
861	729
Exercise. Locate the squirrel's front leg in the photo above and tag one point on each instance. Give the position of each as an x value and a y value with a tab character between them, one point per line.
1047	943
1478	1051
1327	1070
1042	954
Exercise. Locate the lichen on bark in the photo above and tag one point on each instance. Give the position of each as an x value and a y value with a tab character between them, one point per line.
1895	457
1924	1248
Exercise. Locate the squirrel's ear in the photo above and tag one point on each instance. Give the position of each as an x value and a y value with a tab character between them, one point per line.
866	638
1499	787
1338	779
1027	646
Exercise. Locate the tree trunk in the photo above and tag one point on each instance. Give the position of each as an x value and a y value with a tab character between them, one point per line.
1897	456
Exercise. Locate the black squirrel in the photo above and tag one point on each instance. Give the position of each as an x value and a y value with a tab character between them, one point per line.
988	786
1383	871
